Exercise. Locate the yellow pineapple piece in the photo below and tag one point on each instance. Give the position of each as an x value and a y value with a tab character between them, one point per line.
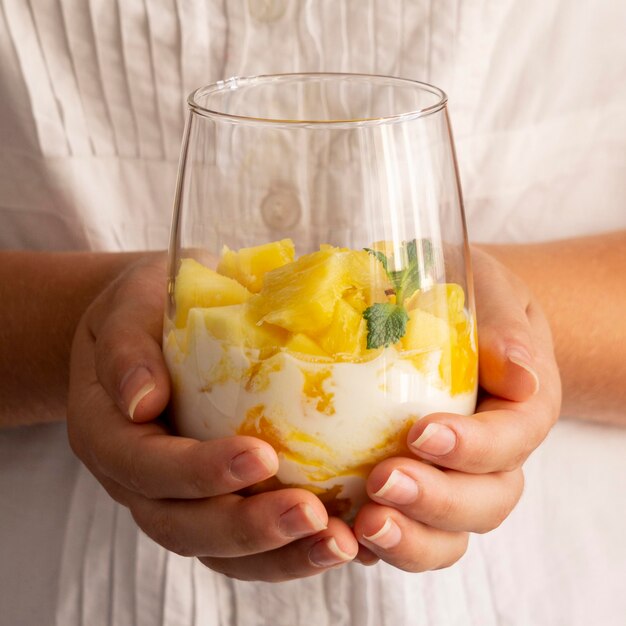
425	332
446	301
303	344
301	296
347	333
458	366
234	324
356	299
199	286
368	276
249	265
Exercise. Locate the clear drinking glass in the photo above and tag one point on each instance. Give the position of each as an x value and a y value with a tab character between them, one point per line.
320	295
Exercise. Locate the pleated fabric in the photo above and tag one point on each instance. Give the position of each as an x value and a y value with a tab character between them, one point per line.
92	108
93	103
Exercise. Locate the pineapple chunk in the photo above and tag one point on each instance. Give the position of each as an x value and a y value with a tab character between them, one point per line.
425	332
369	277
249	265
301	296
304	345
459	365
235	325
347	333
199	286
356	299
445	301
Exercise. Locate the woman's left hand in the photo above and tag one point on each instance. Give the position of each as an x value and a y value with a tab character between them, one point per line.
466	472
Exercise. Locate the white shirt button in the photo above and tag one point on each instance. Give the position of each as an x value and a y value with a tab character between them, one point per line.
280	209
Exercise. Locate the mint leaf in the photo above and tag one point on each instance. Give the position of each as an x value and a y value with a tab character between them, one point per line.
405	282
408	280
380	256
386	324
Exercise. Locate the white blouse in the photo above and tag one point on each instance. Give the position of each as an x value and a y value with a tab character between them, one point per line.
92	105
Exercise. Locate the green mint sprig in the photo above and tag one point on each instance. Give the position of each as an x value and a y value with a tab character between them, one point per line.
386	322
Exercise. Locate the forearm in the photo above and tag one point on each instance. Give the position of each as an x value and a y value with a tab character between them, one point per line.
43	296
581	285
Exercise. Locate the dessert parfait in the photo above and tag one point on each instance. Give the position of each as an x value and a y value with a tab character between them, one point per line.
330	356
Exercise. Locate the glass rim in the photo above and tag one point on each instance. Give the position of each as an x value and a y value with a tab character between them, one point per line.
235	82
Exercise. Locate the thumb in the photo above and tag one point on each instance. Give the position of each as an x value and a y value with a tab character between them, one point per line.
127	325
505	338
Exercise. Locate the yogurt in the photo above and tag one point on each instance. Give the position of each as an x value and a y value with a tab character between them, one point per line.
330	422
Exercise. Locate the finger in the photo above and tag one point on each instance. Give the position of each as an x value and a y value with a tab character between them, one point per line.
506	347
145	458
365	556
307	557
501	434
448	500
155	464
499	438
127	326
405	543
231	526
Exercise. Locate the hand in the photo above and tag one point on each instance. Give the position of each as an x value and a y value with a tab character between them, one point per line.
180	491
422	512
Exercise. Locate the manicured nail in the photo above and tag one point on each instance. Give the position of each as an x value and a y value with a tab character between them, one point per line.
253	465
521	357
300	521
326	553
135	386
436	440
399	489
387	537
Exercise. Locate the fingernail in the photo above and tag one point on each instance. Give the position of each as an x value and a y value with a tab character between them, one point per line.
326	553
521	357
399	489
436	440
387	537
366	557
253	465
300	521
135	386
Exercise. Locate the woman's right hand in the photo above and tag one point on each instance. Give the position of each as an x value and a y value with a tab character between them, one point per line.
180	491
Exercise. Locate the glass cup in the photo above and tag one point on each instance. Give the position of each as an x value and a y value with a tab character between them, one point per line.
320	295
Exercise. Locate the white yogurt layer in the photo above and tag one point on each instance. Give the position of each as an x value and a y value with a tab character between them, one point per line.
329	422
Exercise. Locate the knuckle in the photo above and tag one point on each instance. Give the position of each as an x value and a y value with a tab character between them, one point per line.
116	492
445	509
199	481
516	460
134	476
244	538
162	528
206	471
512	488
457	554
530	439
484	449
499	512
